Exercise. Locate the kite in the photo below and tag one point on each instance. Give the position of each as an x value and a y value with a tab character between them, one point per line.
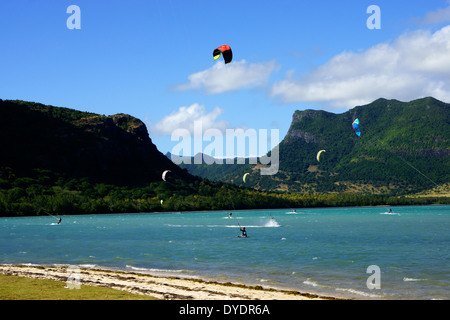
164	174
224	50
355	126
245	177
318	154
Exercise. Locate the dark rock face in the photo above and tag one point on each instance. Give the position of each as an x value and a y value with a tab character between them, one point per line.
112	149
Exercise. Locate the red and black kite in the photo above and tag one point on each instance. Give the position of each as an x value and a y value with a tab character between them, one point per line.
224	50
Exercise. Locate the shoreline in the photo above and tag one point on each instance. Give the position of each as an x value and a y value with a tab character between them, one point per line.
164	288
237	210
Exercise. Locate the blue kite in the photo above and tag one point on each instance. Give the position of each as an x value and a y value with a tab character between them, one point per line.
355	126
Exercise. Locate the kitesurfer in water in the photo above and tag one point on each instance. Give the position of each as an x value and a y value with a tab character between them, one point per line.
244	232
59	221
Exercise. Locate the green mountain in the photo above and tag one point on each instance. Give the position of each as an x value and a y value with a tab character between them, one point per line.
404	148
57	161
109	149
62	161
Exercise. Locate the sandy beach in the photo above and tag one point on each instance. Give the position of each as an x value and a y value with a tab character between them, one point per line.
160	287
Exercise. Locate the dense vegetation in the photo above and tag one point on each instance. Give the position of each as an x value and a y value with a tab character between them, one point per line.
109	149
48	193
404	148
62	161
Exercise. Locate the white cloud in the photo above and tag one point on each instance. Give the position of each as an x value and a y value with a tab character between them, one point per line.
185	117
414	65
234	76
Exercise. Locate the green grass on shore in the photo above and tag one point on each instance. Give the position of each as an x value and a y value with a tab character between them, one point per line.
22	288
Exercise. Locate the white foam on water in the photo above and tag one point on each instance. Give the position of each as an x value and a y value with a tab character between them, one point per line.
153	269
87	266
295	212
413	279
309	282
164	272
390	213
360	293
272	223
30	264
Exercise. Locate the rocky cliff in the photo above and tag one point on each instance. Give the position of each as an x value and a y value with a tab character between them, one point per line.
112	149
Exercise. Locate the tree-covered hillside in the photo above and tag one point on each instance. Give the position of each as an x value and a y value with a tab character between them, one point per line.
57	161
109	149
404	148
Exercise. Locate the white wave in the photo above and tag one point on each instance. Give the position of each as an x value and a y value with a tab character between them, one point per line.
360	293
272	223
153	269
248	226
309	282
267	225
60	265
87	266
412	279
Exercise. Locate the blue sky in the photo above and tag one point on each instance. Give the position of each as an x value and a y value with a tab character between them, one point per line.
153	59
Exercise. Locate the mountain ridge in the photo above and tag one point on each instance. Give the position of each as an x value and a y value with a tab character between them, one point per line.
404	148
63	161
112	149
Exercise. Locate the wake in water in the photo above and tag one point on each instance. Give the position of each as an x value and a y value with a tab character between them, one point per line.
272	223
269	224
295	212
391	213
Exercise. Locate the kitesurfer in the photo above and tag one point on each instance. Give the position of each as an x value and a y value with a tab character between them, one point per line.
59	221
244	232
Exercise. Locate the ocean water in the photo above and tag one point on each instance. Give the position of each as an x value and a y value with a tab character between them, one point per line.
323	250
